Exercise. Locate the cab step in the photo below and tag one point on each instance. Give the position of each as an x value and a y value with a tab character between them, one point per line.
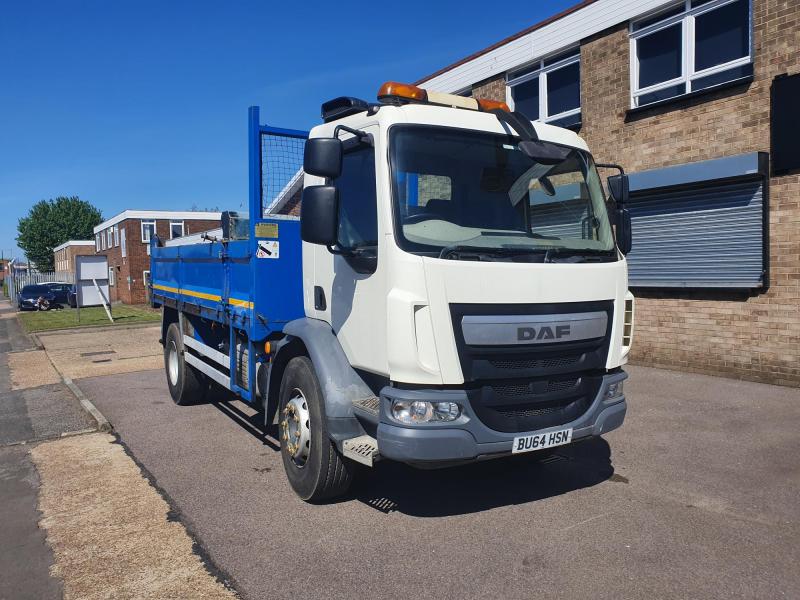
369	406
362	449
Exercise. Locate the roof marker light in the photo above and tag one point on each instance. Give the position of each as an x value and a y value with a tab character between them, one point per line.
489	105
393	89
394	92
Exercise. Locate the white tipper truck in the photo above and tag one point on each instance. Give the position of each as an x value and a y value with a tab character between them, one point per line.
464	291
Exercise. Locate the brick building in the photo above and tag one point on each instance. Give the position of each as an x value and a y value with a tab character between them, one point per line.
125	240
685	95
64	255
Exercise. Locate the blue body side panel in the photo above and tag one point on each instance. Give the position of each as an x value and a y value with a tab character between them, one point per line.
254	286
256	295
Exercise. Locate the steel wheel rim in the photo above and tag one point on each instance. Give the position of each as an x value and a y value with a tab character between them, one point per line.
296	429
173	363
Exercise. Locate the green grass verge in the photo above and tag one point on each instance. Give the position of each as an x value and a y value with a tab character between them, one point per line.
66	318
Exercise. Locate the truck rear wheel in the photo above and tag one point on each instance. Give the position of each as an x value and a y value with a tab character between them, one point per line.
185	383
315	468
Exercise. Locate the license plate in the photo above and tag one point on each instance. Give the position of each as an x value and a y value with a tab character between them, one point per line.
529	443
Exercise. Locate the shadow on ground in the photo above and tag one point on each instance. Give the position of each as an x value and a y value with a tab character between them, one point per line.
395	487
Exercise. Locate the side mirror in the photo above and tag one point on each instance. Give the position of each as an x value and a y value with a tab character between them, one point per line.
623	230
319	216
323	157
619	188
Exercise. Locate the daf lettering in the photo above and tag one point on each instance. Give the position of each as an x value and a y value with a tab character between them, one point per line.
544	333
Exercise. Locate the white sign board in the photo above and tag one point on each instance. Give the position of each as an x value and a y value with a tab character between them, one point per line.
89	269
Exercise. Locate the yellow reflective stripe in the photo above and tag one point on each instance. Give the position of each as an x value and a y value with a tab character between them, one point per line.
204	296
242	303
166	288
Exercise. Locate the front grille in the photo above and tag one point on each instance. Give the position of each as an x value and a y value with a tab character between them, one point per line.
534	387
534	363
536	404
526	387
525	413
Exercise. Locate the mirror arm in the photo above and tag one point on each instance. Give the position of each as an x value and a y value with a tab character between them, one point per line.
610	166
362	136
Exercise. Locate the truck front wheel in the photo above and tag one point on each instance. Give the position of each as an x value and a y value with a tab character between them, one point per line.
185	384
314	467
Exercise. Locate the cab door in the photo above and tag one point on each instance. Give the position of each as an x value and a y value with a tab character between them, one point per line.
350	284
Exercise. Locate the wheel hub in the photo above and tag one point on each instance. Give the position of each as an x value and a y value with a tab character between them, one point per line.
173	363
296	428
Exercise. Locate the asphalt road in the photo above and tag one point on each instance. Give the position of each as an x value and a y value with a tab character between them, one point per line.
695	497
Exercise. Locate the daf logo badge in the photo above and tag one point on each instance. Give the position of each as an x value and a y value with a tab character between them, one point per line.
543	333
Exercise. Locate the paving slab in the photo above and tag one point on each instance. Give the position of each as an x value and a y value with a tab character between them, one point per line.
694	497
91	353
31	369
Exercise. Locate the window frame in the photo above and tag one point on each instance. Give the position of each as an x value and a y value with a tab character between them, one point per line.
532	71
142	224
111	277
116	236
110	236
686	20
183	229
97	242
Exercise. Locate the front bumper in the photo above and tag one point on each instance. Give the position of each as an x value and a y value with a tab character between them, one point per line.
467	438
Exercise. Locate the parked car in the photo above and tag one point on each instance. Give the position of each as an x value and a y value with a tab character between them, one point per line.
60	290
29	298
72	296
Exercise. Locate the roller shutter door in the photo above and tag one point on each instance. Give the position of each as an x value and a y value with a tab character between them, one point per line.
705	236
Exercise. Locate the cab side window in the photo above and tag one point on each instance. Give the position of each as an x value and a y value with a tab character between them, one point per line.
358	204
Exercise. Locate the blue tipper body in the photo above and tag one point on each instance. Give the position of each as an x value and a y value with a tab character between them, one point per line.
231	282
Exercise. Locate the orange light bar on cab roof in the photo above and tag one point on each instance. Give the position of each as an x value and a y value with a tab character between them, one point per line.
487	105
393	89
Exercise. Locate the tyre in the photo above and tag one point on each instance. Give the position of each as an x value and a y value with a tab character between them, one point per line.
314	467
186	385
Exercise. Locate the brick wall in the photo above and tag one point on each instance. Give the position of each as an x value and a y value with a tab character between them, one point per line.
64	259
490	89
129	271
753	337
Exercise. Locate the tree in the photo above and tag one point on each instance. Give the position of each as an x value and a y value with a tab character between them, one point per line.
50	223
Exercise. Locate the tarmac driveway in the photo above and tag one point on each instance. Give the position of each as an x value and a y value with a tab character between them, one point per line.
696	496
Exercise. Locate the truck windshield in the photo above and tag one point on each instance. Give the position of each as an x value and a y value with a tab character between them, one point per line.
459	192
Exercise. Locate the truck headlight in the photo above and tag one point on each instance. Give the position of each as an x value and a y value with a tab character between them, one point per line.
421	411
614	390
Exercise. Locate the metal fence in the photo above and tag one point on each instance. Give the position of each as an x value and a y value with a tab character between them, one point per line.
15	282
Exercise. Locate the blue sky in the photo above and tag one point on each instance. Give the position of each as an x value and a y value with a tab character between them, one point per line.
143	104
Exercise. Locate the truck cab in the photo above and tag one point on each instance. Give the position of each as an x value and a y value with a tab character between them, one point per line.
464	291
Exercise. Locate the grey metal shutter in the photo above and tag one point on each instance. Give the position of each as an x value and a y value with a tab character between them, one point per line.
706	236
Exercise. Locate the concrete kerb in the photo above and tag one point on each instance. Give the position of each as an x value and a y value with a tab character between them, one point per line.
103	424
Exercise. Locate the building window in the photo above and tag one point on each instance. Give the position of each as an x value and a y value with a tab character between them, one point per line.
691	46
110	234
175	229
111	276
116	235
123	243
549	90
97	242
102	240
148	230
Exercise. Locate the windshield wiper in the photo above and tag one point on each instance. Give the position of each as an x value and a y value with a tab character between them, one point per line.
582	252
448	251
